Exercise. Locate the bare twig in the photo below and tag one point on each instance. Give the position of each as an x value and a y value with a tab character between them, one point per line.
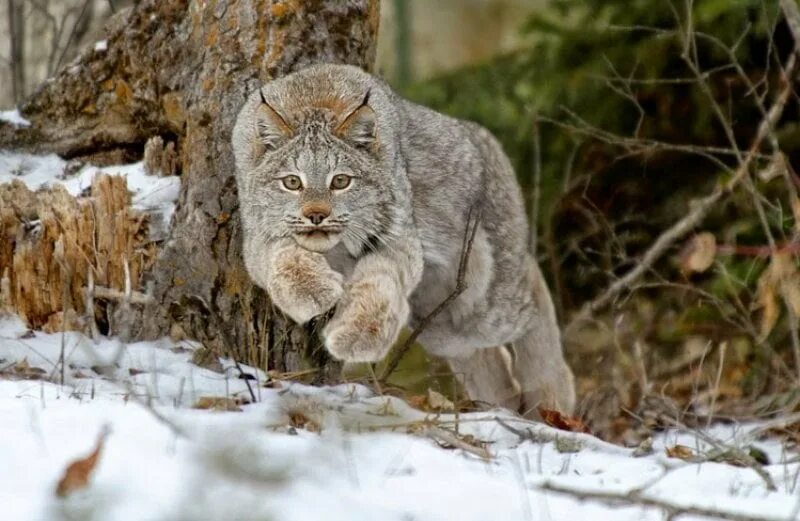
741	456
447	437
645	146
792	14
87	4
135	297
638	498
536	193
473	222
245	376
698	208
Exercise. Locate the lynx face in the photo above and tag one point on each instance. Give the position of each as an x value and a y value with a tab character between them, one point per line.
316	176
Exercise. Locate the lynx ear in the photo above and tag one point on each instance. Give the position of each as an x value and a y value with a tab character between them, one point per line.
360	127
272	129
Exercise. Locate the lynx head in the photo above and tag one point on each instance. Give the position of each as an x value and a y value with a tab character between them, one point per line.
313	156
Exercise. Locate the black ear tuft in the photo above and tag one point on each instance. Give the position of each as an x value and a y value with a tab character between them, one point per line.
360	127
272	129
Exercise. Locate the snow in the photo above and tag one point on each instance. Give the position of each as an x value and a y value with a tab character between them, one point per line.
165	460
152	194
368	462
14	117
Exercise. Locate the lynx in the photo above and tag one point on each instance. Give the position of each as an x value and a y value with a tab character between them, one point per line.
355	199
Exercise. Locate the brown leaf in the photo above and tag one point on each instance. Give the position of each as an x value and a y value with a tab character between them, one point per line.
780	279
77	474
218	403
788	278
300	420
681	452
791	291
432	401
23	370
769	304
767	301
796	212
439	402
22	365
418	401
561	421
699	253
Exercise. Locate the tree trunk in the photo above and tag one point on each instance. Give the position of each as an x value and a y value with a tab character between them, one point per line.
181	69
16	37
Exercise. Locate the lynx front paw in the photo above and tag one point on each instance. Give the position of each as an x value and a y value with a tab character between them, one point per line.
304	285
367	322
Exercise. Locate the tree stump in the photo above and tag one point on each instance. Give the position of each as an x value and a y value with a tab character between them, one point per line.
180	70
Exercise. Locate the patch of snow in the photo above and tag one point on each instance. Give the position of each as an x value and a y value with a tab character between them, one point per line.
155	195
101	46
14	117
35	171
365	464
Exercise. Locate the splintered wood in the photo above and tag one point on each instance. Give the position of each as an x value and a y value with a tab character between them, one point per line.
49	240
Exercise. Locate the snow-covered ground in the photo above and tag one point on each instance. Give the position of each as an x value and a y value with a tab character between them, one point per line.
14	117
301	453
372	457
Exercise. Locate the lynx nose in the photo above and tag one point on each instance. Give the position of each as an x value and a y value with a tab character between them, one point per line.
316	212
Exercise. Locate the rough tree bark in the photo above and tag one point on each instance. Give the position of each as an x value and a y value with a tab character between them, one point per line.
181	69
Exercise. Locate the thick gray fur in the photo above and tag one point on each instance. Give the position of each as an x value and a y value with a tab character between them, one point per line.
395	234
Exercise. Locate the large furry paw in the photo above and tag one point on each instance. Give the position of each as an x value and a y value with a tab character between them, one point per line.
304	285
367	322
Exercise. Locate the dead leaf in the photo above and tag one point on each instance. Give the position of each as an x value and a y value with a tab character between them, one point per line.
77	474
300	420
22	365
218	403
561	421
25	371
418	401
681	452
438	401
699	253
432	401
780	279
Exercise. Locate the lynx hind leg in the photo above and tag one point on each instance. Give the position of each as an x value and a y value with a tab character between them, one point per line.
487	377
539	366
544	377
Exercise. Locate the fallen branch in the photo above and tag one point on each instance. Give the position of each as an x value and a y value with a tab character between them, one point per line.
446	437
637	498
536	432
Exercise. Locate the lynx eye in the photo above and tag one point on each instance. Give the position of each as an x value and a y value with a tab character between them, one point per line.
340	182
292	182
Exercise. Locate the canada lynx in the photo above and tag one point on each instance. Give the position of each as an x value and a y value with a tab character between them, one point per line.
356	198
